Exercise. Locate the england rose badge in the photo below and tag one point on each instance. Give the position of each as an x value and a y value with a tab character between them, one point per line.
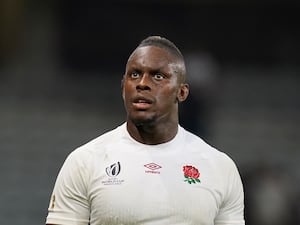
191	174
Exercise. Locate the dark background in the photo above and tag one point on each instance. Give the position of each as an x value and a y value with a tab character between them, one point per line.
61	63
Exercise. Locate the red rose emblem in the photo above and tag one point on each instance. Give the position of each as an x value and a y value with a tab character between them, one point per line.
191	174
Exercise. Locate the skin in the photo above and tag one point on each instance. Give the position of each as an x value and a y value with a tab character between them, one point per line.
153	85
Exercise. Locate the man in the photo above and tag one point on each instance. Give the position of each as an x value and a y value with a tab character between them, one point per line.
149	170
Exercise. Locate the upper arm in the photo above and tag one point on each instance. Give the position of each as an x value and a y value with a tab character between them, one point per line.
232	208
69	202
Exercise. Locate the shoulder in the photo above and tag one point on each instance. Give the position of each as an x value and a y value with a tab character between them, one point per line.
196	145
98	146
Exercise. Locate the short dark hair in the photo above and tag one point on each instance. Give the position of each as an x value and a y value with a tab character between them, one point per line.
161	42
169	46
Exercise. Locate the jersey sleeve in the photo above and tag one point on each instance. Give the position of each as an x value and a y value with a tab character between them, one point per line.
69	201
231	211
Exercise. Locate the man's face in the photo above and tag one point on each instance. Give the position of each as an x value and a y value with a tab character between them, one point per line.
151	86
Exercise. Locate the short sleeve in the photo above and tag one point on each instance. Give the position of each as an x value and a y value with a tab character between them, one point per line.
232	208
69	202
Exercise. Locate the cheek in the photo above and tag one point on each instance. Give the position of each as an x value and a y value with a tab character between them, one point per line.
126	90
167	95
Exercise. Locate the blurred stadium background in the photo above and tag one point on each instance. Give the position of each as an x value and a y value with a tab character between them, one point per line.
61	63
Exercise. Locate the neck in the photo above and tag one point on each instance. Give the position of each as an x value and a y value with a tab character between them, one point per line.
152	134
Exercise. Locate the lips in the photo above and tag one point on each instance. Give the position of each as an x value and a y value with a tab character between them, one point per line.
142	103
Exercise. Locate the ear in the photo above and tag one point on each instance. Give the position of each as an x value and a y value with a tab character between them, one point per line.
183	92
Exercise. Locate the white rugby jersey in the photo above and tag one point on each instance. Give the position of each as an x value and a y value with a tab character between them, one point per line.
116	180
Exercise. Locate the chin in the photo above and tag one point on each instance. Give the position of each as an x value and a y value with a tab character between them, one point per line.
142	121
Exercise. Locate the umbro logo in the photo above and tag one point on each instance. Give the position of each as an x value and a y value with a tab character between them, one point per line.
153	167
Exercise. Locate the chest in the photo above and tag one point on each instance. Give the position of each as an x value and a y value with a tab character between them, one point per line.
153	189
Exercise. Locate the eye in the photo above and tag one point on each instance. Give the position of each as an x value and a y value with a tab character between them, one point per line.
158	76
134	74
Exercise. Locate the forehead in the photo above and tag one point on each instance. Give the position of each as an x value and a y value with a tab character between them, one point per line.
152	56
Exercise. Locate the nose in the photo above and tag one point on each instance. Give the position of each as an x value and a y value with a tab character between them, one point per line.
144	83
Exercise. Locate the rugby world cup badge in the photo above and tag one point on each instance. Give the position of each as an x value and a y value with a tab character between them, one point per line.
112	172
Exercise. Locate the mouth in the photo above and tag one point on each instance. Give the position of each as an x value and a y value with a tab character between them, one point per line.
142	103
